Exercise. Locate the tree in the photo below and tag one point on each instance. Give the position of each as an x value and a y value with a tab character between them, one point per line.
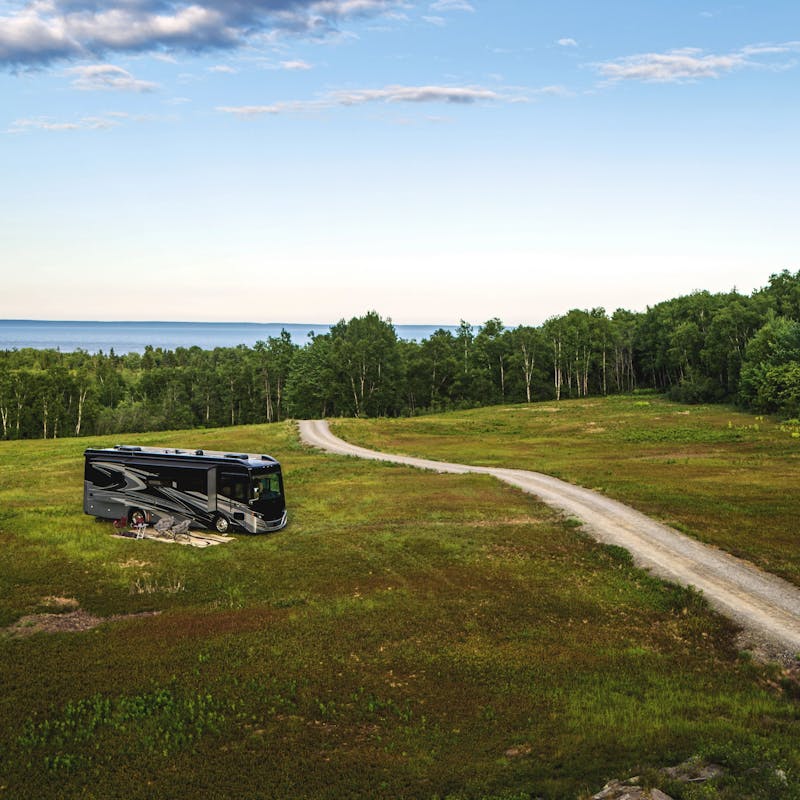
553	330
366	360
492	347
6	399
310	384
527	347
770	380
783	294
624	329
431	369
274	362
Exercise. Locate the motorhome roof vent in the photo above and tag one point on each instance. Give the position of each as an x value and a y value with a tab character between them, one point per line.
198	452
128	447
267	458
236	455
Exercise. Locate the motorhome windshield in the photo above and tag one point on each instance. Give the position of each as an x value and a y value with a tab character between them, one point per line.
265	486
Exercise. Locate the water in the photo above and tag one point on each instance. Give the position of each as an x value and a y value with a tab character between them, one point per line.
132	337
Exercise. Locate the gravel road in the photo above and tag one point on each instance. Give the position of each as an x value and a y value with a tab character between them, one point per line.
765	606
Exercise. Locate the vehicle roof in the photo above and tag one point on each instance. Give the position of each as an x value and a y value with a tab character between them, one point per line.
178	455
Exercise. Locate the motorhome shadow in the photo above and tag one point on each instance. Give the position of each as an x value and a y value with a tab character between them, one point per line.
212	489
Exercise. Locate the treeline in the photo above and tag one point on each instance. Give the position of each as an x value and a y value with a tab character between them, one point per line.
698	348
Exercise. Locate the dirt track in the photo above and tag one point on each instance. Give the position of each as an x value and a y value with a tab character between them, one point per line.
767	607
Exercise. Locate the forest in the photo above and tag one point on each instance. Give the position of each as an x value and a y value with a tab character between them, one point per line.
701	347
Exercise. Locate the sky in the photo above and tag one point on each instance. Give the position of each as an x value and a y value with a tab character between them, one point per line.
310	160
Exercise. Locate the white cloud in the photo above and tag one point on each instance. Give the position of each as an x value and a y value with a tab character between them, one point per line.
689	64
770	49
451	5
43	31
415	94
252	111
567	42
555	90
46	124
432	20
297	64
457	95
224	69
672	67
107	77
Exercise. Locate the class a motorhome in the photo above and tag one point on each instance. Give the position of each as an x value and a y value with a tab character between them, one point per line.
212	489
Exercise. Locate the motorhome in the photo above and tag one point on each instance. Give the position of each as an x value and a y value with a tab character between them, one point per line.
212	489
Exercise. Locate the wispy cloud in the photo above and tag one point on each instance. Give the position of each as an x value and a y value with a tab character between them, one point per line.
691	64
567	42
296	65
44	31
454	95
416	94
553	91
93	123
282	107
451	5
107	77
105	121
224	69
771	49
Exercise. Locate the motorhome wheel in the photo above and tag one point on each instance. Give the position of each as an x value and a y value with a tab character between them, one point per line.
221	524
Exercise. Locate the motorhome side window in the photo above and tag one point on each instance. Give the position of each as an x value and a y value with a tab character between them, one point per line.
183	479
234	486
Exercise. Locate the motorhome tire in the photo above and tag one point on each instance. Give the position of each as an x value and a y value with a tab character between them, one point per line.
221	523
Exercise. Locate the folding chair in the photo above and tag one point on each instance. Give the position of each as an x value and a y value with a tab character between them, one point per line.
162	527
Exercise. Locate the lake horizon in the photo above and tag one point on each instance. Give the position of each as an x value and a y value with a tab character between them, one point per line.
134	336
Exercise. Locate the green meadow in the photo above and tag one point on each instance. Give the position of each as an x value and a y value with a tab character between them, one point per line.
722	476
408	635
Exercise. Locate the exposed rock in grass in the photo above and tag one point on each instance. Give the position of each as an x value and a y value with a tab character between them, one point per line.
693	771
619	790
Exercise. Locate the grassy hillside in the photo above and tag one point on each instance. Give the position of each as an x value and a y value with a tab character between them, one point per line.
724	477
408	635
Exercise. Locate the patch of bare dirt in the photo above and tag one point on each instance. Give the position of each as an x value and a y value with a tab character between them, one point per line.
508	551
60	603
134	562
501	521
70	622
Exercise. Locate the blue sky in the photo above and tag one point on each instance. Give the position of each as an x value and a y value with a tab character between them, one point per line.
307	160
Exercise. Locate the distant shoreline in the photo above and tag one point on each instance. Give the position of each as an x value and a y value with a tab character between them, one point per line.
148	322
134	336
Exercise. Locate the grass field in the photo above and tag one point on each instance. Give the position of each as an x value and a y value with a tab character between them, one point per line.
408	635
722	476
